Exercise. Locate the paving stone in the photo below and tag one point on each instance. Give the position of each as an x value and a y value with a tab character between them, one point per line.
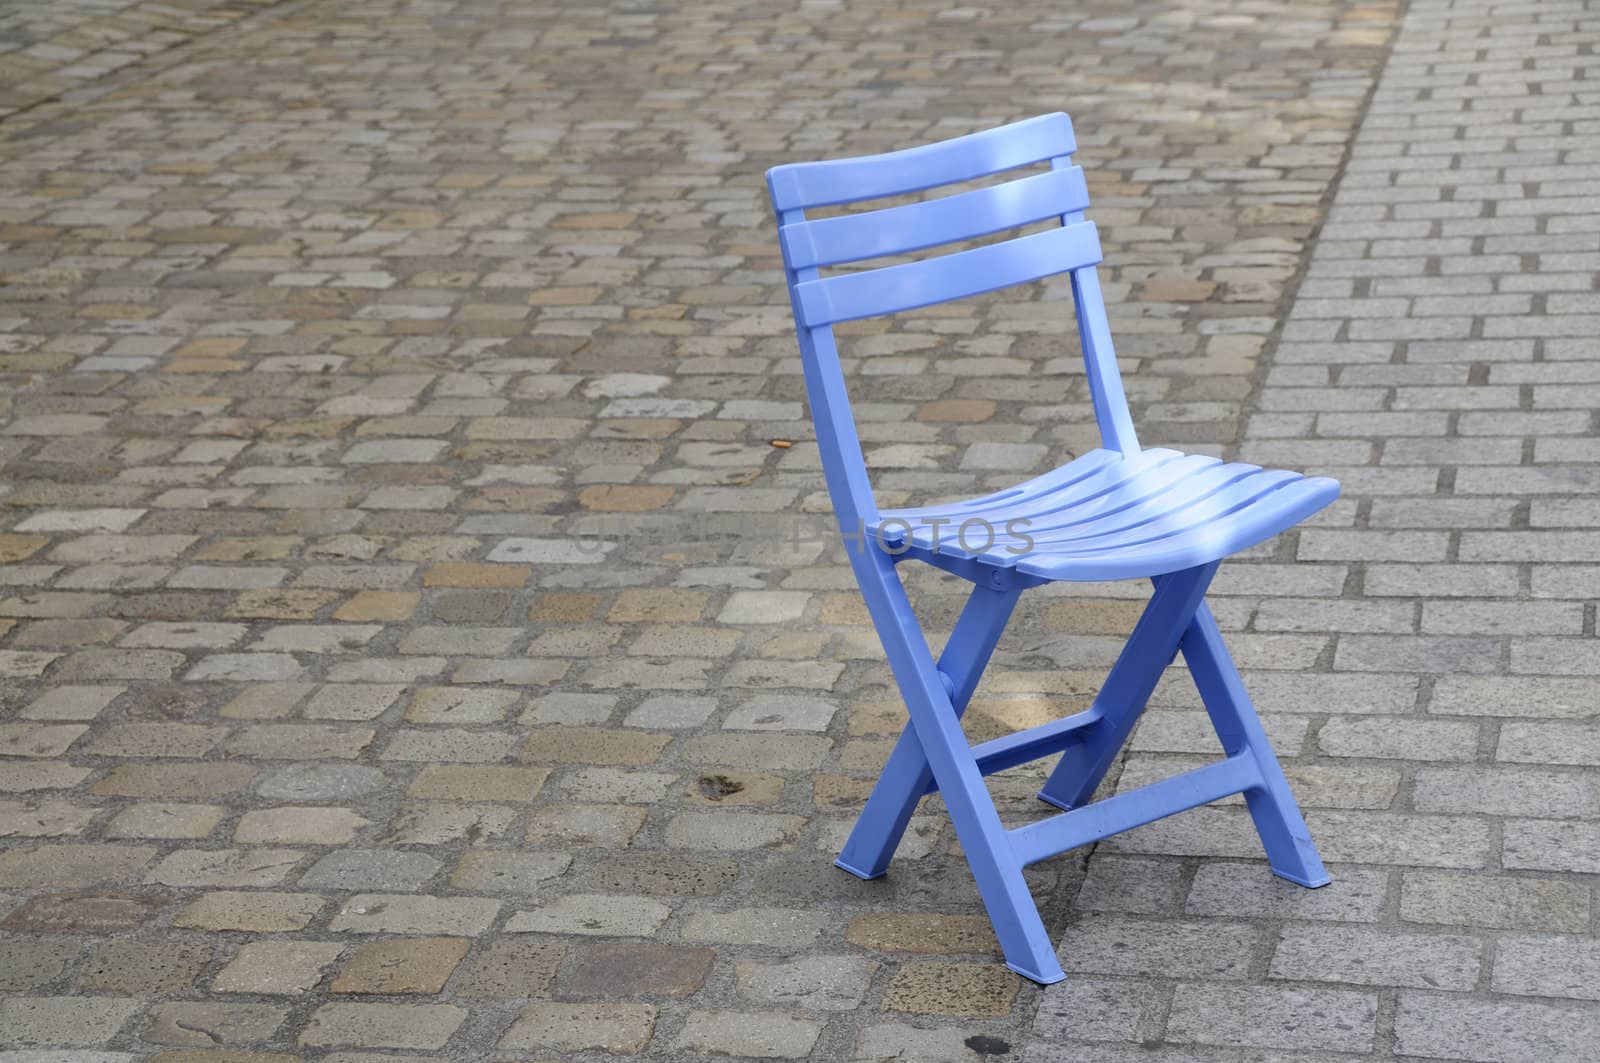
51	1021
487	641
425	1026
493	871
401	965
72	702
1551	845
1336	1020
451	744
225	867
174	781
511	967
1377	957
223	1055
370	869
664	874
619	785
1548	742
1130	884
302	825
1115	945
378	913
159	968
460	706
773	927
28	776
1249	890
776	713
747	751
37	740
732	830
885	1040
1399	739
1427	841
1505	791
43	819
441	824
319	782
277	967
922	932
82	913
951	989
762	1035
1494	901
609	915
645	969
1552	697
608	826
549	1026
32	964
299	741
156	740
1087	1008
68	866
208	1024
473	783
668	711
812	983
583	745
351	701
1492	1031
262	913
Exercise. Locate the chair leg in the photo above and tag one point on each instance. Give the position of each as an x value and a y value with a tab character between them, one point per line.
906	777
1127	688
1290	851
995	868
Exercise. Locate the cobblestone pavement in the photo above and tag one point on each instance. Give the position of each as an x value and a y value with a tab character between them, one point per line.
1439	721
51	48
327	327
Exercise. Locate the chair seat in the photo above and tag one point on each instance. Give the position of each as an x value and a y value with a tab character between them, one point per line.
1109	516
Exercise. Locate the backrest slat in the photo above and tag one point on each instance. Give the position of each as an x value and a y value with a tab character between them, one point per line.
934	280
823	184
915	226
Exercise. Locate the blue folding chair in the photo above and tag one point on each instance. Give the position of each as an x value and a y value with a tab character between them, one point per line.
1117	512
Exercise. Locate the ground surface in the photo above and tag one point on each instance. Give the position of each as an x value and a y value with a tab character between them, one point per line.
328	327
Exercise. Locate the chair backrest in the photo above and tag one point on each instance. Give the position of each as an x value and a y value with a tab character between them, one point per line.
820	302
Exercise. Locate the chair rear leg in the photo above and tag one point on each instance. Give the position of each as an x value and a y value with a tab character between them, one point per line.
906	777
1290	851
887	813
1150	648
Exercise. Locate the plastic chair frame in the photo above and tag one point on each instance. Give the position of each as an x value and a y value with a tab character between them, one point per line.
933	754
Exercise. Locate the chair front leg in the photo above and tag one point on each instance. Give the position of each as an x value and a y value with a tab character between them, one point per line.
1127	688
906	777
995	867
1290	851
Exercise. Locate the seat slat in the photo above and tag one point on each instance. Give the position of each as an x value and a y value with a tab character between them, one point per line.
1096	498
823	184
1179	521
1079	470
1143	506
1054	514
896	230
935	280
1263	518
